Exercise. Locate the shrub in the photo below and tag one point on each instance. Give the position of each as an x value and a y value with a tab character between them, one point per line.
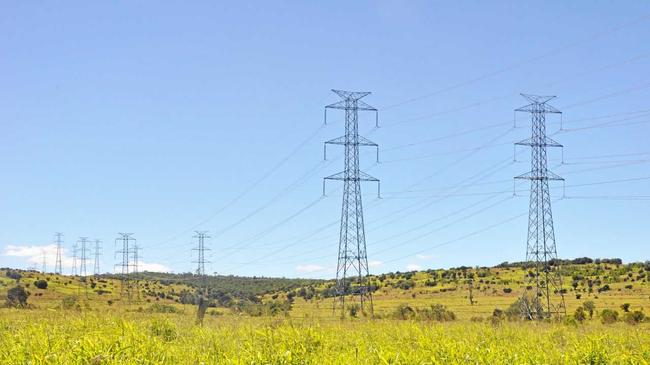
69	302
41	284
507	290
625	307
437	312
353	310
634	317
580	314
163	329
608	316
17	297
161	308
497	316
590	307
404	312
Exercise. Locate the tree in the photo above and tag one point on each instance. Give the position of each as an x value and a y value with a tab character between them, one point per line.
17	297
41	284
590	307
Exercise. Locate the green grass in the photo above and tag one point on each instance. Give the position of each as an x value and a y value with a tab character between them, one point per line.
55	337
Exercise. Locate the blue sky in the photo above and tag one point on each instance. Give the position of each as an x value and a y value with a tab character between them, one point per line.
161	118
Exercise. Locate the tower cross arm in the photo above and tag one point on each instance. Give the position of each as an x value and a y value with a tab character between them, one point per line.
363	141
548	142
532	176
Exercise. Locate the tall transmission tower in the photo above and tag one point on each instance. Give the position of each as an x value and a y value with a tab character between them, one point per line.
98	248
202	301
74	259
83	248
128	243
136	257
201	261
543	296
59	243
352	268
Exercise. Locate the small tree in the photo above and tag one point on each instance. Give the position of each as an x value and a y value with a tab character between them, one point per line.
41	284
590	307
17	297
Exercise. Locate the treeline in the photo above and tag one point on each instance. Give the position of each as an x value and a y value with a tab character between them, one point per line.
556	262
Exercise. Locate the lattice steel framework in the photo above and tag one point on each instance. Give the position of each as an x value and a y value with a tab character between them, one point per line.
352	257
58	268
543	296
83	248
127	266
98	249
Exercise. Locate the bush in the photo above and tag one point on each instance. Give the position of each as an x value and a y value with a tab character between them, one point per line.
404	312
41	284
625	307
590	307
437	312
161	308
580	314
17	297
608	316
507	290
634	317
69	302
163	329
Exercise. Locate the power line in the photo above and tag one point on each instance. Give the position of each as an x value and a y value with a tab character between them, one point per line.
516	65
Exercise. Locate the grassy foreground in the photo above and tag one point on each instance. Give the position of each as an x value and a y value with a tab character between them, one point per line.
70	337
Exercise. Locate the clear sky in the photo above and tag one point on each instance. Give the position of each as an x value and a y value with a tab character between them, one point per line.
159	118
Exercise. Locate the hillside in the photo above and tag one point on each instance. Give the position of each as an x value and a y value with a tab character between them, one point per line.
608	283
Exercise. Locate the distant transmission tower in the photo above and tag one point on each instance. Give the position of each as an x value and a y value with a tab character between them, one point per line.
200	268
74	259
59	242
352	268
128	243
97	252
83	243
544	279
202	302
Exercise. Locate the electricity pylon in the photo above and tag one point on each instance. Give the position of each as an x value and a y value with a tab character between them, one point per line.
352	256
97	252
74	259
128	244
59	242
202	302
83	241
543	296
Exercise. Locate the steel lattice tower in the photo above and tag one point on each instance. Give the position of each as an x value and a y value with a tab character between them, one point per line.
200	268
202	302
97	252
74	259
83	241
128	244
352	257
59	242
544	279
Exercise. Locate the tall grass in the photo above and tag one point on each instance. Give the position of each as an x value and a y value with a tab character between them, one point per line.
67	337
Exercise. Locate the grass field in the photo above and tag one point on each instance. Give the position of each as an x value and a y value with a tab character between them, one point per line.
87	322
50	337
